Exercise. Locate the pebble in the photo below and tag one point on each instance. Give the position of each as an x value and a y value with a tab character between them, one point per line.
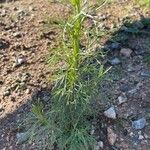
126	52
20	61
6	93
100	144
139	124
146	136
31	8
20	11
3	13
102	17
23	85
115	45
111	136
17	34
27	91
132	91
122	99
110	113
130	68
21	137
115	61
92	130
145	74
141	137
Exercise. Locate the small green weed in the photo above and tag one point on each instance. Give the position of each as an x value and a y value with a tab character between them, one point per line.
146	59
144	3
76	74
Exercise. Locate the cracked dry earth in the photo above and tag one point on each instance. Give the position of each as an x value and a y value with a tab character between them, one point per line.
24	73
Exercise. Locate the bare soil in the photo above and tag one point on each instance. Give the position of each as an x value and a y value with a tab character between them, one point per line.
26	35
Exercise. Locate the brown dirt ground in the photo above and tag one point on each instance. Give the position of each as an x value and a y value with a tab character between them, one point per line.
28	17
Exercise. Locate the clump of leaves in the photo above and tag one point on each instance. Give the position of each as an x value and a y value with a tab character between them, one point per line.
146	58
144	3
76	74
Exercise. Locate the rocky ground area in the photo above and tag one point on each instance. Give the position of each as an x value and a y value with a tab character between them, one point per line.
27	31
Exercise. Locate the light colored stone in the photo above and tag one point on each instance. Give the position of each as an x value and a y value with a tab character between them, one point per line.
115	61
92	130
3	13
141	137
139	124
122	99
17	34
6	93
100	144
21	137
112	137
115	45
126	52
28	91
20	61
145	74
110	113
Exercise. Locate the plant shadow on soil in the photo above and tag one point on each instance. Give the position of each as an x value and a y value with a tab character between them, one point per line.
6	1
134	35
9	125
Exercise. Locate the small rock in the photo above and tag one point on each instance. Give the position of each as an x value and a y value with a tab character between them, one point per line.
23	85
17	34
146	136
141	137
132	91
130	68
102	17
21	13
31	8
92	130
139	124
115	61
110	113
100	144
111	136
126	52
28	91
122	99
3	13
20	61
6	93
145	74
131	134
115	45
22	137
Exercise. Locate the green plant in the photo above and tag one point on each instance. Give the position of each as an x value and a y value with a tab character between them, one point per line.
76	74
144	3
146	58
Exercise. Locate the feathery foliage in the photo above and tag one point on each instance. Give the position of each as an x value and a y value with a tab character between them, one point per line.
76	73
